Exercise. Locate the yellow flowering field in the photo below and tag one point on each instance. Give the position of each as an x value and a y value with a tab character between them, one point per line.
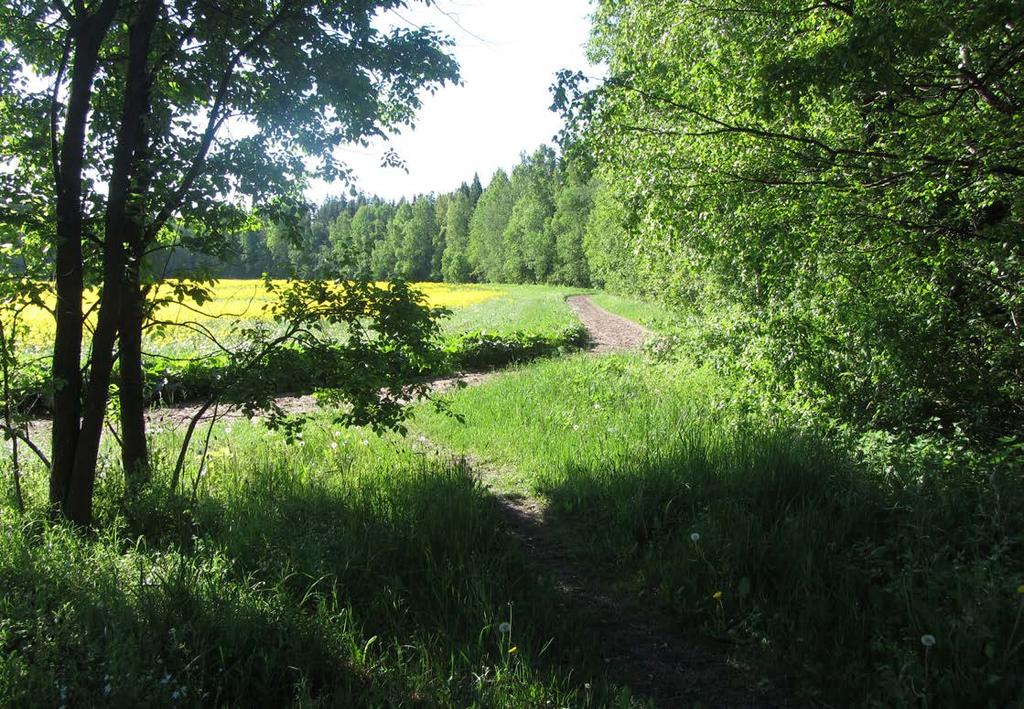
247	299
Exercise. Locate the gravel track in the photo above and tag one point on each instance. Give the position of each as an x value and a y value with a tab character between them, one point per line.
608	332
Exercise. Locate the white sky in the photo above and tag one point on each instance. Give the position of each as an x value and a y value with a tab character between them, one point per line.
508	52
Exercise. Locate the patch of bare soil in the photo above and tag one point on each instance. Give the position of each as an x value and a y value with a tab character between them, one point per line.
608	332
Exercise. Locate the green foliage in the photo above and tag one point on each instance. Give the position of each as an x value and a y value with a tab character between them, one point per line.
487	227
417	241
481	350
842	178
455	266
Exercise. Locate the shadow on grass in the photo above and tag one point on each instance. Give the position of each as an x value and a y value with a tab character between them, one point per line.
834	573
387	590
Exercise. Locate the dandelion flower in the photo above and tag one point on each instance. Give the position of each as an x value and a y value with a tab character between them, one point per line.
505	628
513	650
928	640
717	596
695	537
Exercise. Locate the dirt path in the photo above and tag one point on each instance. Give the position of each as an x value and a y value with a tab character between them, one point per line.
608	332
639	646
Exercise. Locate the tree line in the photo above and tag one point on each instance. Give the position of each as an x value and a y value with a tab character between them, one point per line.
525	227
836	188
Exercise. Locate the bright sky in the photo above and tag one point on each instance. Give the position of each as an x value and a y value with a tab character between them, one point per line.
508	51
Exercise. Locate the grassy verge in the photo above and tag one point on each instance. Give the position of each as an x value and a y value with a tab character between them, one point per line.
844	568
347	571
650	315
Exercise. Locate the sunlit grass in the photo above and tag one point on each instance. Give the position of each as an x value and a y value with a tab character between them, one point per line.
348	570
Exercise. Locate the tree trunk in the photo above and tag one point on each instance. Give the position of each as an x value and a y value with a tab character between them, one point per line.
118	230
87	33
134	451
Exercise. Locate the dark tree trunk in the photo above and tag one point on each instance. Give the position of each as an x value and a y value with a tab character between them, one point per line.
134	450
87	33
118	231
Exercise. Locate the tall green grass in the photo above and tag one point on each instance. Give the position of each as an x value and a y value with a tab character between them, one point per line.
834	566
651	315
540	310
349	570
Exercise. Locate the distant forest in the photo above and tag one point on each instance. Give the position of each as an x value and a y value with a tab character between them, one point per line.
527	227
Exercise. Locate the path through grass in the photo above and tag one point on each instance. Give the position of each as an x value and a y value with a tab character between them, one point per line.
774	538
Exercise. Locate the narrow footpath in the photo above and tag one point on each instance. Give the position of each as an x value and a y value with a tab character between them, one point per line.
642	651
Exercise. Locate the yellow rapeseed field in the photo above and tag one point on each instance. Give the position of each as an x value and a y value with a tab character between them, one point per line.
247	299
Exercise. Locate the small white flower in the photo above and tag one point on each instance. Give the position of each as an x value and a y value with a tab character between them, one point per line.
575	427
928	640
366	441
695	537
337	434
597	406
505	628
227	430
334	445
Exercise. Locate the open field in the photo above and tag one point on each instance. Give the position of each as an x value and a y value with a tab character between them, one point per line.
498	308
487	326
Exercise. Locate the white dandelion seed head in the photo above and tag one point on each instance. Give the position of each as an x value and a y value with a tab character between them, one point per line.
334	446
505	628
928	640
695	537
227	430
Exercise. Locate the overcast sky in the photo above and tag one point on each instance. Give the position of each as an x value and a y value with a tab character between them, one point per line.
508	51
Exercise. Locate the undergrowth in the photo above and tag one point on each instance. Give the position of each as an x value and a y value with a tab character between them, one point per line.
874	572
346	570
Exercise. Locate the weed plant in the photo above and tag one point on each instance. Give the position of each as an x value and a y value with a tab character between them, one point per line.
347	570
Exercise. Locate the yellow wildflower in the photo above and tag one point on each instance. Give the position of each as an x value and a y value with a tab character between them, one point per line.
717	596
